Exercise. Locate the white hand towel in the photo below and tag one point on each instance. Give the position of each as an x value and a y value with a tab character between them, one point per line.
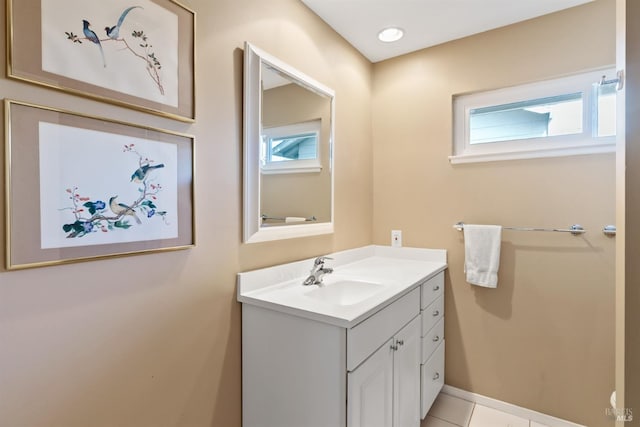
482	254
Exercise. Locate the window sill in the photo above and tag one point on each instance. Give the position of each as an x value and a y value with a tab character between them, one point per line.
300	169
607	147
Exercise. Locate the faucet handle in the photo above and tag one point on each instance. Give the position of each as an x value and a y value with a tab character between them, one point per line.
320	260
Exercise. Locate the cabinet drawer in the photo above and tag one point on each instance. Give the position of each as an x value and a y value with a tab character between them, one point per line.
364	338
432	382
432	314
432	340
432	289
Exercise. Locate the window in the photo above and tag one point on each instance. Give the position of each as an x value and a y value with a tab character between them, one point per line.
605	117
565	116
292	148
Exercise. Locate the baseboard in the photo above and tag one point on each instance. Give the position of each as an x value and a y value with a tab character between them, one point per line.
508	408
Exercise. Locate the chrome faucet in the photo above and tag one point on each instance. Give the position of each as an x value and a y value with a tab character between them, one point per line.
317	272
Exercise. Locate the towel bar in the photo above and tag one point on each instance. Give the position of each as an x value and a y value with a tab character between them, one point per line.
265	217
575	229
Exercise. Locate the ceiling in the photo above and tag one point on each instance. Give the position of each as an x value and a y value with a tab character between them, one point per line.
425	22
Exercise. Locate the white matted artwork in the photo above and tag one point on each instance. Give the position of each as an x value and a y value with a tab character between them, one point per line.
135	53
130	46
125	191
82	187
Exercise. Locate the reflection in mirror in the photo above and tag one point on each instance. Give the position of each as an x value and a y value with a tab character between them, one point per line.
288	185
291	146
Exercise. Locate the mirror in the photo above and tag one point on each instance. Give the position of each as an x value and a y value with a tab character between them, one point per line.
288	151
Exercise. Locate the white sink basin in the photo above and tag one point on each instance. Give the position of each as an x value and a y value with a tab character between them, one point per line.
345	292
363	281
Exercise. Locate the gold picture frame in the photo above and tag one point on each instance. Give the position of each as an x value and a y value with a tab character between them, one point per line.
136	54
80	187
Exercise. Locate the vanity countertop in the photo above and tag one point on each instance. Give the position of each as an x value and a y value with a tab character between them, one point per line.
384	273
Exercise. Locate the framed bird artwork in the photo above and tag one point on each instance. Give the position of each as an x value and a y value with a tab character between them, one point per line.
80	187
135	53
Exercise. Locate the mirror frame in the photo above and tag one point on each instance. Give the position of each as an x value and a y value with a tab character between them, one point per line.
252	126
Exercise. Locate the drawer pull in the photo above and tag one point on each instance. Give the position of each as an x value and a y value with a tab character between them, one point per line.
436	288
394	347
436	376
436	313
436	338
400	342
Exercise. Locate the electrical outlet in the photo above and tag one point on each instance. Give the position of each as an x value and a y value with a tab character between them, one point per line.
396	238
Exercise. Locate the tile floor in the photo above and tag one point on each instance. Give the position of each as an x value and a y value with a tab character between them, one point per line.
449	411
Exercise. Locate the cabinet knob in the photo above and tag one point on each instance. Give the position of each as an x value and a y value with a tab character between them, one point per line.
436	313
436	338
436	288
400	342
394	347
436	376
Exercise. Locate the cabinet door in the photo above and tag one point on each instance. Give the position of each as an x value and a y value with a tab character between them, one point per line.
406	376
370	390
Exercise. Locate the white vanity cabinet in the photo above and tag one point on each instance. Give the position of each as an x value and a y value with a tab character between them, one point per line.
303	373
308	363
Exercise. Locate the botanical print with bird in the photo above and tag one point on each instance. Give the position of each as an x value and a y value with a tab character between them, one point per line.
138	44
99	187
130	47
93	215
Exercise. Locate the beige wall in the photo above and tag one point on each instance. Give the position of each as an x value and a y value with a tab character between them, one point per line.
154	340
544	339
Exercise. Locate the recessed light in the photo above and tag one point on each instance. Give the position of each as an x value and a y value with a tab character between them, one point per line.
390	34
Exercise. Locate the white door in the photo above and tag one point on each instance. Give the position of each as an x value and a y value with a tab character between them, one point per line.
406	374
370	390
